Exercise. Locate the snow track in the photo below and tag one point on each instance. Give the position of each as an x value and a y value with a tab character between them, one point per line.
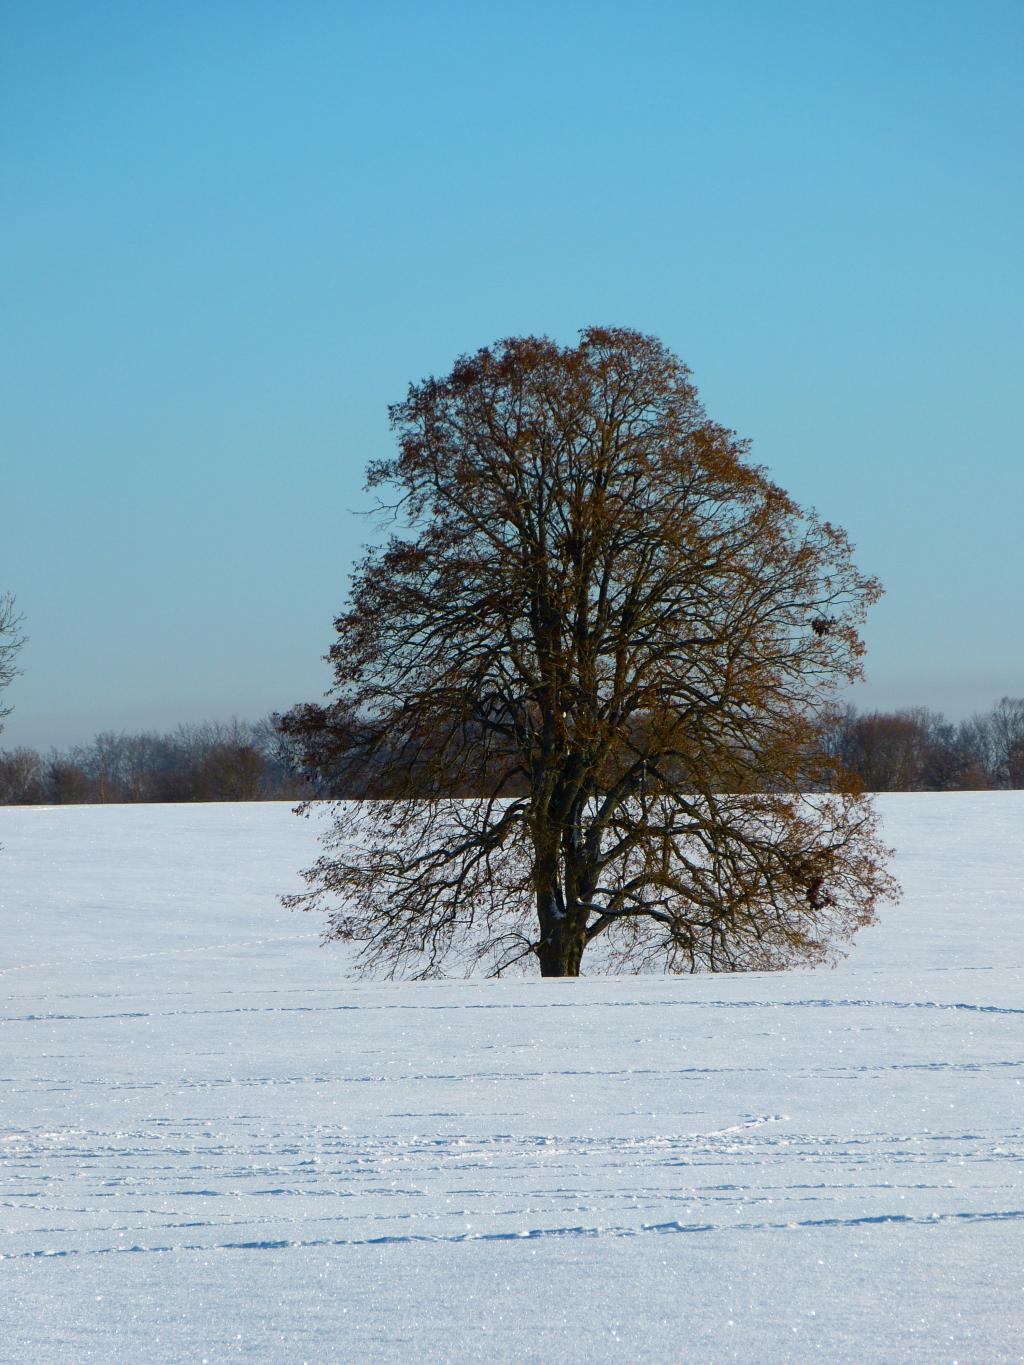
762	1167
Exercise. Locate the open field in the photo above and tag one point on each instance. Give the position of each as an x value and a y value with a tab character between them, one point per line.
215	1146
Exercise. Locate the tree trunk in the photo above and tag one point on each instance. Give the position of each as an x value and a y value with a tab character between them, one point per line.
563	925
561	947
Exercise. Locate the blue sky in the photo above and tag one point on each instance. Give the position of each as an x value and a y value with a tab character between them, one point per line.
231	234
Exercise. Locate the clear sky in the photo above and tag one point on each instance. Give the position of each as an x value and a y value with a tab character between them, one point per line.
232	233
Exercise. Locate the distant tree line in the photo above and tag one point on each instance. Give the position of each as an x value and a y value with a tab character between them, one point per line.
920	750
908	750
214	761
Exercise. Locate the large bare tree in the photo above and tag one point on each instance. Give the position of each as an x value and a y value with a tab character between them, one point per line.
578	695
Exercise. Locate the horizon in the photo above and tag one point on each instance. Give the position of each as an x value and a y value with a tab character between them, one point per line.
162	730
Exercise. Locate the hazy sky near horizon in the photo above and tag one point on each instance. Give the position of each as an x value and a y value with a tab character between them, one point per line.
231	234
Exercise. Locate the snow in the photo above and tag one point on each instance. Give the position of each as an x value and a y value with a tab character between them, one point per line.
216	1146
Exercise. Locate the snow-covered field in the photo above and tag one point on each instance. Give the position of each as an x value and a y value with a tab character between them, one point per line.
216	1147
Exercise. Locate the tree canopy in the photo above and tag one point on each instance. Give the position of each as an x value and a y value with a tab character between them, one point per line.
582	688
